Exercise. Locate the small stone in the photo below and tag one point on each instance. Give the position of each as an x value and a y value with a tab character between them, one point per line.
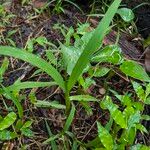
102	91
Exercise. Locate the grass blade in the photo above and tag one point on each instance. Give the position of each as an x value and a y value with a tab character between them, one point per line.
52	138
52	143
35	61
93	44
28	85
69	119
86	98
46	104
4	67
15	100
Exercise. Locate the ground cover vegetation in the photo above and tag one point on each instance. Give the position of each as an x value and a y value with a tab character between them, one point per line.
68	80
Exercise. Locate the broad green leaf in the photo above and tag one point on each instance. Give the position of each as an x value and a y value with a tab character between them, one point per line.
105	137
19	124
118	117
110	54
134	70
147	100
69	119
126	14
86	98
100	72
93	44
34	60
41	40
27	132
116	114
7	135
27	85
141	128
134	119
70	57
131	135
128	136
138	106
27	124
125	99
86	83
8	121
4	67
139	90
128	111
46	104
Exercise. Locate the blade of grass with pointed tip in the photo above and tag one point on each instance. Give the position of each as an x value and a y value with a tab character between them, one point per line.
35	61
52	143
27	85
52	138
93	44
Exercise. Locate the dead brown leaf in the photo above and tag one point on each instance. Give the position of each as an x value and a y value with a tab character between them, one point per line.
39	3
